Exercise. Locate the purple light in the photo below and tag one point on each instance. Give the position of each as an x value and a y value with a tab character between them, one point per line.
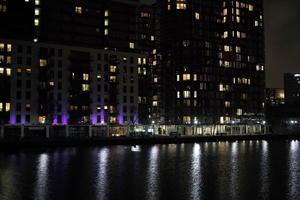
23	120
94	119
65	119
120	118
55	121
136	119
12	119
102	117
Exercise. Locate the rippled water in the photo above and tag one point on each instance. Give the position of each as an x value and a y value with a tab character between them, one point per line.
222	170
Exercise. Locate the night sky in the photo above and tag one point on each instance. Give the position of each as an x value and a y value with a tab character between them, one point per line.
282	30
282	27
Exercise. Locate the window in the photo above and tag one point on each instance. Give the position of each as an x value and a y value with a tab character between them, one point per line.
197	16
106	31
131	45
85	77
112	68
85	87
78	9
43	62
186	77
106	22
186	94
42	119
37	11
106	13
36	22
1	107
187	119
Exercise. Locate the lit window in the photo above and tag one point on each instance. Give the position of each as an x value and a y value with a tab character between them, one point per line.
9	48
239	112
154	103
37	2
227	104
113	79
250	7
7	107
186	94
181	6
1	47
85	87
85	77
131	45
1	107
106	13
178	94
43	62
1	70
51	83
42	119
195	94
112	119
8	71
106	22
113	68
187	119
8	60
36	22
197	16
106	31
186	77
78	10
37	11
178	77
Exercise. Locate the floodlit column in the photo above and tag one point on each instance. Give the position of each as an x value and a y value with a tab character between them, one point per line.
90	131
1	132
22	131
47	131
67	131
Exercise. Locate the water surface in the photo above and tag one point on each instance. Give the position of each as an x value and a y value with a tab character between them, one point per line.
220	170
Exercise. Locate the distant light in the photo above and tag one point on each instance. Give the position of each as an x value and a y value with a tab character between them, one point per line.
296	75
153	122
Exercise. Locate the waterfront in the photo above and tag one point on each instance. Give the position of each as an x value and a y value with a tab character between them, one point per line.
216	170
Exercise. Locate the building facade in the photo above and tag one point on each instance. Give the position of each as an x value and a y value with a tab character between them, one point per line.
292	87
44	83
212	61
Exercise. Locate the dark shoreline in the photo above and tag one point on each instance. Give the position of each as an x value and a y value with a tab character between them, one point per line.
84	142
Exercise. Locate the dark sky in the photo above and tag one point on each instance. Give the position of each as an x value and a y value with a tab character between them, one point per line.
282	27
282	30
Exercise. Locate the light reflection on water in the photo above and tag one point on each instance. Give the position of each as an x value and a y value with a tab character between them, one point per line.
196	173
153	170
41	187
102	174
294	171
222	170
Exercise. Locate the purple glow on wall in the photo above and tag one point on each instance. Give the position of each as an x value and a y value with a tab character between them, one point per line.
12	119
94	119
136	119
120	118
55	121
65	119
102	117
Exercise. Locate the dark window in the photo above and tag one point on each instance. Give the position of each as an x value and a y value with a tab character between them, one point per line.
125	99
28	50
28	95
19	83
18	108
19	94
59	53
20	49
28	83
131	99
59	85
28	61
19	60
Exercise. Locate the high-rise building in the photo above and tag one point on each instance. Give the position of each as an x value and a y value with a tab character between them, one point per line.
292	87
212	61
